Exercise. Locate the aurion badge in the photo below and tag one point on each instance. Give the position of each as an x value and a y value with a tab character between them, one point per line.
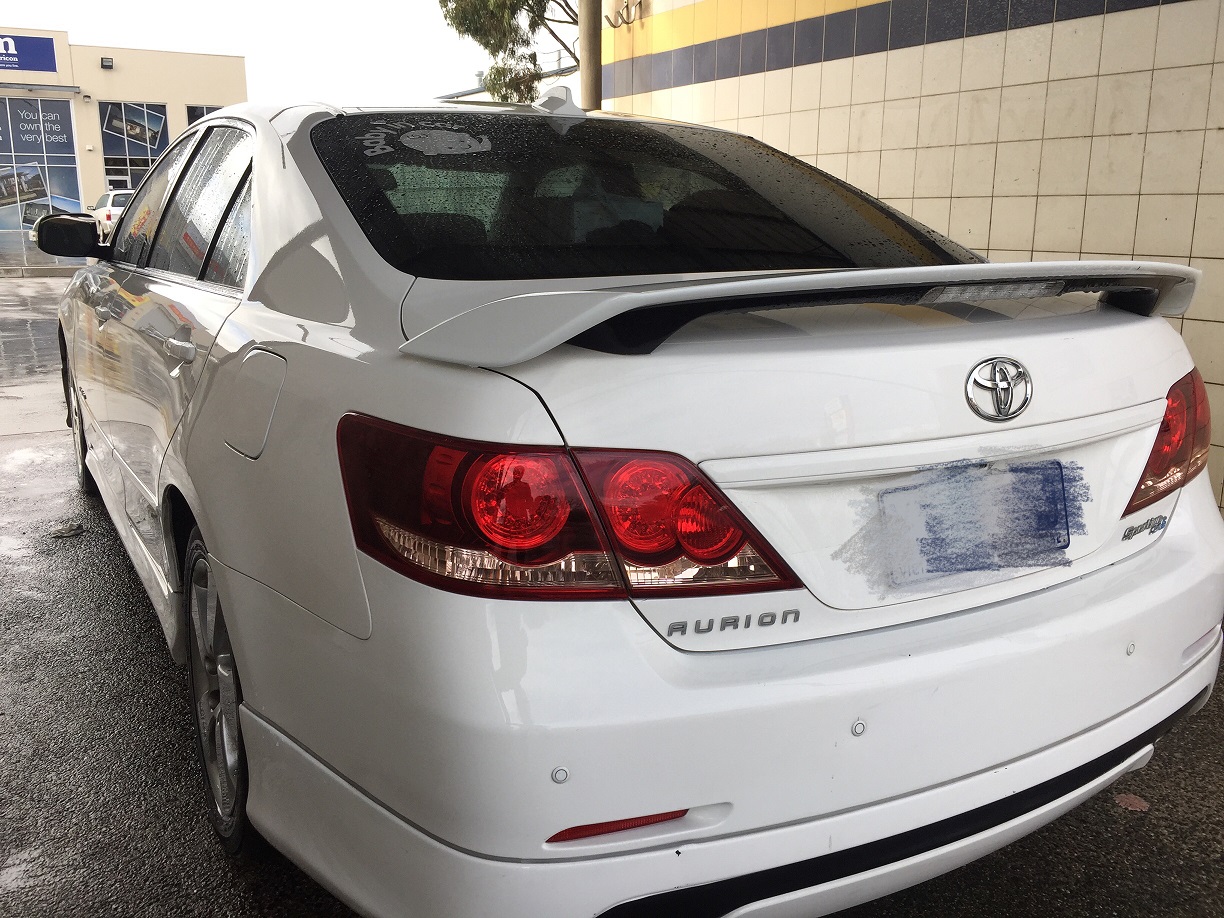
998	389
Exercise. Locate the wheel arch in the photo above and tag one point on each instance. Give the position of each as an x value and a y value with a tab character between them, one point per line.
178	520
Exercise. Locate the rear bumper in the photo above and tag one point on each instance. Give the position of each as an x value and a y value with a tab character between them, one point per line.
411	772
383	866
910	857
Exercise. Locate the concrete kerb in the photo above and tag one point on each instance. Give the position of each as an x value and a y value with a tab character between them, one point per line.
40	271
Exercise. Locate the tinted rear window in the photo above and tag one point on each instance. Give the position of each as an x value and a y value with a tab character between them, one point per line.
120	200
500	196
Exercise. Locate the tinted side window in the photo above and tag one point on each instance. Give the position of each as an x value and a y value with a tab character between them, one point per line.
228	262
199	203
135	233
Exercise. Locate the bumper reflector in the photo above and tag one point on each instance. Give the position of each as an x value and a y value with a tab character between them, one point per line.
620	825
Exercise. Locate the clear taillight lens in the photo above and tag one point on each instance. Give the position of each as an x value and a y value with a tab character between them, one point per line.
1180	450
517	522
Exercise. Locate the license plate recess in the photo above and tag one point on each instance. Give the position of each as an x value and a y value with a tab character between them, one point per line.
989	517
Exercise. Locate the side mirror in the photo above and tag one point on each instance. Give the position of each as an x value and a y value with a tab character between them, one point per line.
71	235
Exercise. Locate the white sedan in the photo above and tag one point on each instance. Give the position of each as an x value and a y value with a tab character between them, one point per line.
566	514
108	210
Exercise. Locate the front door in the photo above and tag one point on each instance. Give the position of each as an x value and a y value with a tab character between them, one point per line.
94	363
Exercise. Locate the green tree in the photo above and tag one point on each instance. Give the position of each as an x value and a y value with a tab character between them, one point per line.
507	29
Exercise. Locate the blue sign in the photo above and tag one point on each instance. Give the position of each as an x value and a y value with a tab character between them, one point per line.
27	52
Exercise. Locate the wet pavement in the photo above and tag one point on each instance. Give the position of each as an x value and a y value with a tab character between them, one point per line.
102	807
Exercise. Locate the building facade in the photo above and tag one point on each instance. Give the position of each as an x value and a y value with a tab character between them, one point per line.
1029	129
79	120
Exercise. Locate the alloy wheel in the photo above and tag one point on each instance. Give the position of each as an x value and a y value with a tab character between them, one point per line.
215	693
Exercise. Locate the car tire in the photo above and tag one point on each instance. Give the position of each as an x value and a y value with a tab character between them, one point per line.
216	695
80	446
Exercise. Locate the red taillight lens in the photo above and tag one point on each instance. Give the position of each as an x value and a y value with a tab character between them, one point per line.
1202	426
510	522
519	501
107	218
474	517
639	500
1180	450
620	825
672	529
707	533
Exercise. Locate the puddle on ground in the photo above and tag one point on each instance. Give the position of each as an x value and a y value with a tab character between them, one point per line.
28	456
20	870
11	547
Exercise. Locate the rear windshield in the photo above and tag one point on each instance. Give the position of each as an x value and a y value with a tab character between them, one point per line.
120	200
504	196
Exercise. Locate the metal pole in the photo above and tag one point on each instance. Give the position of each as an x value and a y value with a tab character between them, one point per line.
590	49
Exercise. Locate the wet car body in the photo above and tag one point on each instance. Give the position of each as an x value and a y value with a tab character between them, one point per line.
905	583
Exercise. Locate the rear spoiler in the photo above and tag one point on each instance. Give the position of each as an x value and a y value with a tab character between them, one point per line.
636	319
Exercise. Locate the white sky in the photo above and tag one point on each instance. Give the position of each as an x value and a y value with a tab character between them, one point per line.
350	52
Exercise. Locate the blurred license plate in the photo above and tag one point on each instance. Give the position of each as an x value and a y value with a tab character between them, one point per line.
976	518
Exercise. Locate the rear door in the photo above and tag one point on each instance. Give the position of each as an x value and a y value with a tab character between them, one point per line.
176	297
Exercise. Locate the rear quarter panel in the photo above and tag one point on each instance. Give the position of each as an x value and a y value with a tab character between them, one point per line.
283	518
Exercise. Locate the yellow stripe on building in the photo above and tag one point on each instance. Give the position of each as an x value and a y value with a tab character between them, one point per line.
708	20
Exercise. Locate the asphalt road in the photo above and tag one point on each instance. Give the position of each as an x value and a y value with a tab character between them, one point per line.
102	806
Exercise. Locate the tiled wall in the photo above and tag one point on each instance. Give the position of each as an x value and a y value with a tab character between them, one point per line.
1090	134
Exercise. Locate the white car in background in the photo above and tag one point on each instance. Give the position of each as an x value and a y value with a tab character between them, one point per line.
567	514
109	209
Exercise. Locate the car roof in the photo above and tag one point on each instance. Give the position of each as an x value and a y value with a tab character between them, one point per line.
287	117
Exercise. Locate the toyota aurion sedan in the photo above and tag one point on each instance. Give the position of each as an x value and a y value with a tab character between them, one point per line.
582	515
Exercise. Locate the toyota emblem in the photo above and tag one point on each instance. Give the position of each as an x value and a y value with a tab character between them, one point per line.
998	389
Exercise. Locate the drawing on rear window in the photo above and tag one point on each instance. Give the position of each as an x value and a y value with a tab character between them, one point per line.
433	142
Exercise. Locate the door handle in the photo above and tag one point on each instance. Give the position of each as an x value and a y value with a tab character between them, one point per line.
183	351
103	313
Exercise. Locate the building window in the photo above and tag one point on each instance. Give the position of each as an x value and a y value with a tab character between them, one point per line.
196	112
133	135
38	173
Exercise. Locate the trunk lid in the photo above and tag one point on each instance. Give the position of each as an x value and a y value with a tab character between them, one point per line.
844	433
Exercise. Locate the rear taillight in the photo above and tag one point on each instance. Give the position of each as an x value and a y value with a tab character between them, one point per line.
520	522
473	517
1180	450
107	217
